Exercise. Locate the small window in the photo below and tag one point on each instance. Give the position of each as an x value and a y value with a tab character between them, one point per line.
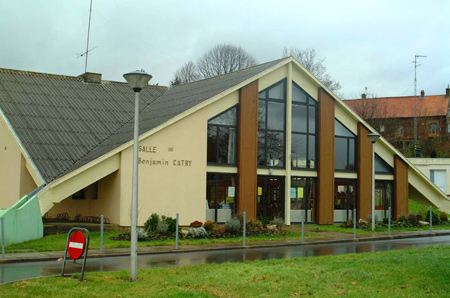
79	195
433	129
400	131
439	178
381	128
448	127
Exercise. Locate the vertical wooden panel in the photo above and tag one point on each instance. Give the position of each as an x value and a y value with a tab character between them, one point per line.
401	187
364	173
248	149
325	159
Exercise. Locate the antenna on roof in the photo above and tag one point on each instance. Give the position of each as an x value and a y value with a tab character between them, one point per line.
416	152
87	43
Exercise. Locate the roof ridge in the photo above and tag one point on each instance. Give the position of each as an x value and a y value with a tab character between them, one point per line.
229	73
63	77
394	97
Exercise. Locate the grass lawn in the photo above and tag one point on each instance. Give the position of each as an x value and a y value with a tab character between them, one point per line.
58	242
378	230
402	273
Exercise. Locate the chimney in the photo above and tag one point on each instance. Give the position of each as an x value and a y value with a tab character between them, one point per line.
447	91
364	96
422	94
93	78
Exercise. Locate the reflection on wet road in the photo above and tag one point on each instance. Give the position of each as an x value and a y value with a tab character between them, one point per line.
19	271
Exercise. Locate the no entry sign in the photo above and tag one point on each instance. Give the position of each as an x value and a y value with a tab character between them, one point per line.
76	245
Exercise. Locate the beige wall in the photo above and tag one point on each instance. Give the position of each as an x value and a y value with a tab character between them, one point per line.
171	186
10	167
27	183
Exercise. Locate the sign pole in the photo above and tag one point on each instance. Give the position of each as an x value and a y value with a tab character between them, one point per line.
244	223
101	234
3	237
176	233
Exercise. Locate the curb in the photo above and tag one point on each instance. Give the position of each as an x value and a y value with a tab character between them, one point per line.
187	250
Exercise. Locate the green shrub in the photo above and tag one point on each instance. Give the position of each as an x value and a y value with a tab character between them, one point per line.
233	225
443	217
402	219
162	227
209	226
254	225
278	221
413	220
151	223
172	222
265	221
198	232
142	235
435	218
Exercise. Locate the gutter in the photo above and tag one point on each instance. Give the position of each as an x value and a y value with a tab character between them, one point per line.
22	147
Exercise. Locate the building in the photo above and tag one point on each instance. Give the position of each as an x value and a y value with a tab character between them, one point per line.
435	169
393	117
270	140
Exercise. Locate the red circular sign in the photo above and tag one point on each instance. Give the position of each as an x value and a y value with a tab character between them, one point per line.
76	245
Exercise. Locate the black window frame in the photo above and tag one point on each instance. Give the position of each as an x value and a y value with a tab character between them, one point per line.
216	192
265	130
355	203
385	200
355	139
312	204
307	133
217	127
385	164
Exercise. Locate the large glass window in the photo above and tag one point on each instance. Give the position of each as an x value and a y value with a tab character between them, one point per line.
303	129
344	199
303	199
271	126
222	135
344	148
382	167
384	192
221	194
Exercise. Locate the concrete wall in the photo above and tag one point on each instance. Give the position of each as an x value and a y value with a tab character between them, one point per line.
425	165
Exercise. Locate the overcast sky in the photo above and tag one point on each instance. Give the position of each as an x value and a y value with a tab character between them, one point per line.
366	43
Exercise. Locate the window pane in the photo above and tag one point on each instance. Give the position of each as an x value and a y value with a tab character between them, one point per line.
211	190
312	152
341	130
223	199
312	120
351	155
351	194
298	151
275	115
277	92
227	118
299	118
262	95
340	153
298	95
212	144
227	145
340	195
261	114
298	193
381	166
311	101
379	195
261	148
275	149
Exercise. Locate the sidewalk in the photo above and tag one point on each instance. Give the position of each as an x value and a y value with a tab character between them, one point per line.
327	237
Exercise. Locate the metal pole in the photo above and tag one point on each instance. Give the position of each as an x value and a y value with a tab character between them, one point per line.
373	187
244	223
354	223
431	219
176	233
389	221
3	237
303	229
134	202
102	218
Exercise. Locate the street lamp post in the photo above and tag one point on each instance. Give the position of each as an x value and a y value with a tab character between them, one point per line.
373	137
137	80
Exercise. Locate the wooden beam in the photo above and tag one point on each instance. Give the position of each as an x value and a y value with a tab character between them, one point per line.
401	187
364	205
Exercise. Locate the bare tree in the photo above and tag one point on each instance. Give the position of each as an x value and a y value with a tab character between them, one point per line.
316	66
221	59
186	74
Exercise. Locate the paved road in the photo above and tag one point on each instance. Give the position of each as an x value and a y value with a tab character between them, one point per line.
19	271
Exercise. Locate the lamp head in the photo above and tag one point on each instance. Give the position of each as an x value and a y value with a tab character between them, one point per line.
137	79
373	137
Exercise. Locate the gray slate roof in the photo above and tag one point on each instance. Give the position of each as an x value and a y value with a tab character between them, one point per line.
65	123
59	119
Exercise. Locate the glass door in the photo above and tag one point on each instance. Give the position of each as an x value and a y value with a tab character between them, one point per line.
270	199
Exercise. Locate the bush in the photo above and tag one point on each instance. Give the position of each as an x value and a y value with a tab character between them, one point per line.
443	217
254	225
233	225
198	232
162	227
172	222
151	223
142	235
209	226
413	220
435	218
401	219
347	224
362	224
419	216
196	224
279	222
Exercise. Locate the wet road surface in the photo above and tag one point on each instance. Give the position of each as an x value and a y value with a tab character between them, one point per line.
20	271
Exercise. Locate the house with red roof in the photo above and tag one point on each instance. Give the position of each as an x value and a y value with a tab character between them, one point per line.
393	117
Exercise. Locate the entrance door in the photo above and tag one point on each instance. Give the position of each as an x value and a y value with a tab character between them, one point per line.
270	200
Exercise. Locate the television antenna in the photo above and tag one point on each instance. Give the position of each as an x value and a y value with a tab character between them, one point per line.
86	53
415	101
